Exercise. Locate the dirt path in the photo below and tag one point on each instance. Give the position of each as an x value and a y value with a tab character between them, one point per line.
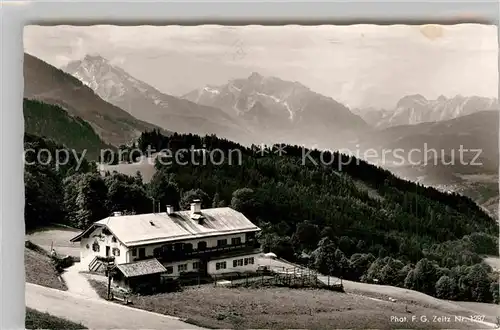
97	313
77	283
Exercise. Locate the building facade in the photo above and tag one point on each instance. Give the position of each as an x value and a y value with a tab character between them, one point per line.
209	241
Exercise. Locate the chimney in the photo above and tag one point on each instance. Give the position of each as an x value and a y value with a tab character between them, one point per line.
196	207
117	214
170	209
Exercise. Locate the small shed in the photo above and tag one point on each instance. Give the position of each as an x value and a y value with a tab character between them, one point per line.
132	275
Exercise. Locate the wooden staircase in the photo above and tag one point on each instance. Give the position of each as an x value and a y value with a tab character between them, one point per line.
101	264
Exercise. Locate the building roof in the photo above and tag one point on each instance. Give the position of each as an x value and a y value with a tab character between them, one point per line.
141	229
140	268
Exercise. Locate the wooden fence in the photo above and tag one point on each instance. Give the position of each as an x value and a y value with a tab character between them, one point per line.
296	277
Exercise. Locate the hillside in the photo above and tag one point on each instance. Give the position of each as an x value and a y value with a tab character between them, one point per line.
354	220
39	268
431	153
283	111
53	122
46	83
478	131
145	102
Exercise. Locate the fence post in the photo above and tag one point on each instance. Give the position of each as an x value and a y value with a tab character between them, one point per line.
109	283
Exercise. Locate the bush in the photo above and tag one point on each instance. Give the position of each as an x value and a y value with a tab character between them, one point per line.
32	246
446	288
61	263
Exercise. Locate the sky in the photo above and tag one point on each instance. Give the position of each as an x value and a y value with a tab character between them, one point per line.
358	65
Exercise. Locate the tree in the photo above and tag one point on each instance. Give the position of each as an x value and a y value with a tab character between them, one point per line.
341	267
91	200
424	277
390	273
163	189
446	288
359	264
361	246
126	195
402	274
327	232
324	257
347	245
189	196
280	245
138	178
43	197
307	234
217	201
243	200
494	291
476	284
374	270
482	242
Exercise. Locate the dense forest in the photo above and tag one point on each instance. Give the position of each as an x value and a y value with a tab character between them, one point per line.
354	220
49	120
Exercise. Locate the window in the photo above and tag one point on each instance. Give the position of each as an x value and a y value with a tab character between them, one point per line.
220	265
240	262
134	252
178	246
116	252
196	265
182	268
167	248
188	247
236	240
157	252
202	245
249	261
221	242
142	252
235	263
113	239
95	247
170	269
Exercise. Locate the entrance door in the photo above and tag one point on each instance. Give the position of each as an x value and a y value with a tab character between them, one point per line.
108	251
142	252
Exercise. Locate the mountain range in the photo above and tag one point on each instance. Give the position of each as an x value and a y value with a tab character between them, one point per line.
255	109
260	109
44	82
281	110
145	102
416	109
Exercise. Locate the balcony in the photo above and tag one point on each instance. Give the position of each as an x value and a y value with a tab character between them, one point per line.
184	254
